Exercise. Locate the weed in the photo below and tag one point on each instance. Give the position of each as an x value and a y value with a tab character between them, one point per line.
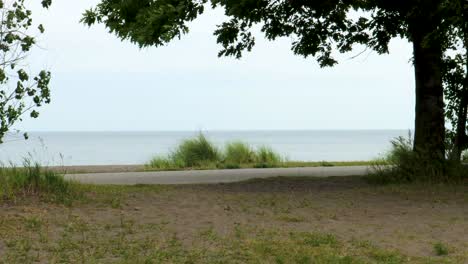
162	163
403	165
266	157
32	179
200	153
386	257
326	164
33	223
316	239
239	153
196	152
440	249
291	219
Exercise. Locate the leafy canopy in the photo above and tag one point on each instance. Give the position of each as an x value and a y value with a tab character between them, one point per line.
318	28
20	93
455	73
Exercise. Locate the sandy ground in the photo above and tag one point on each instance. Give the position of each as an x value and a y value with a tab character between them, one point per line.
407	219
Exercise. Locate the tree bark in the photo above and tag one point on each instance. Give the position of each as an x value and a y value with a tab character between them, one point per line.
429	135
460	141
461	138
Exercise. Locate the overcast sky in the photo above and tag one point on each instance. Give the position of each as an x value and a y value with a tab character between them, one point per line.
101	83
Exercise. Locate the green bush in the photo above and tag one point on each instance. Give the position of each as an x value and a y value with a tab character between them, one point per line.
239	153
326	164
32	179
191	153
265	157
164	163
195	152
440	249
403	165
464	156
200	153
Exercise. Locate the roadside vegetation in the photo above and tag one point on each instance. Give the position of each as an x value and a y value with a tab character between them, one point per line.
200	153
32	180
403	165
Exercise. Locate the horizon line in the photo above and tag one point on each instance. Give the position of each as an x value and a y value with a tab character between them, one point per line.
220	130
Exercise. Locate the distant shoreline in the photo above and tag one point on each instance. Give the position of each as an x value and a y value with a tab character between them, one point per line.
72	169
134	148
215	130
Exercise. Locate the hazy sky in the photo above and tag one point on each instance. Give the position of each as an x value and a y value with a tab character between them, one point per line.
101	83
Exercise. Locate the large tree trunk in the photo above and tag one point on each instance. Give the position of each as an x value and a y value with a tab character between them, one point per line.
429	135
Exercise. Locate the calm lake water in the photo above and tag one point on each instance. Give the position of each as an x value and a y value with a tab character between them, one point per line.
109	148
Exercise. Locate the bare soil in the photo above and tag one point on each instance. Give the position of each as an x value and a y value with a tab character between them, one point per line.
406	219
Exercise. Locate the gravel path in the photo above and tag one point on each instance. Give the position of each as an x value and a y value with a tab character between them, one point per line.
212	176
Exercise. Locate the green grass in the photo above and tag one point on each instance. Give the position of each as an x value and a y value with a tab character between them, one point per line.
109	228
196	152
124	242
440	249
266	157
33	180
239	153
317	239
408	166
199	153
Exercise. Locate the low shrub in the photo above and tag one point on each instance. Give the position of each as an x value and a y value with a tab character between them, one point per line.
199	152
265	157
239	153
164	163
440	249
326	164
464	156
195	152
32	179
403	165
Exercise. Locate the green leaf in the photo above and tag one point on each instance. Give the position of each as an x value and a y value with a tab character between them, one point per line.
22	75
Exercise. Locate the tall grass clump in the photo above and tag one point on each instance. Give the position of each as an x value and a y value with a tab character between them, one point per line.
266	157
165	163
190	153
239	153
32	179
195	152
199	152
403	165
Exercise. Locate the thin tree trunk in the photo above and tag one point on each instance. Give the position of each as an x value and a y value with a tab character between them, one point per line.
429	136
461	138
459	143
